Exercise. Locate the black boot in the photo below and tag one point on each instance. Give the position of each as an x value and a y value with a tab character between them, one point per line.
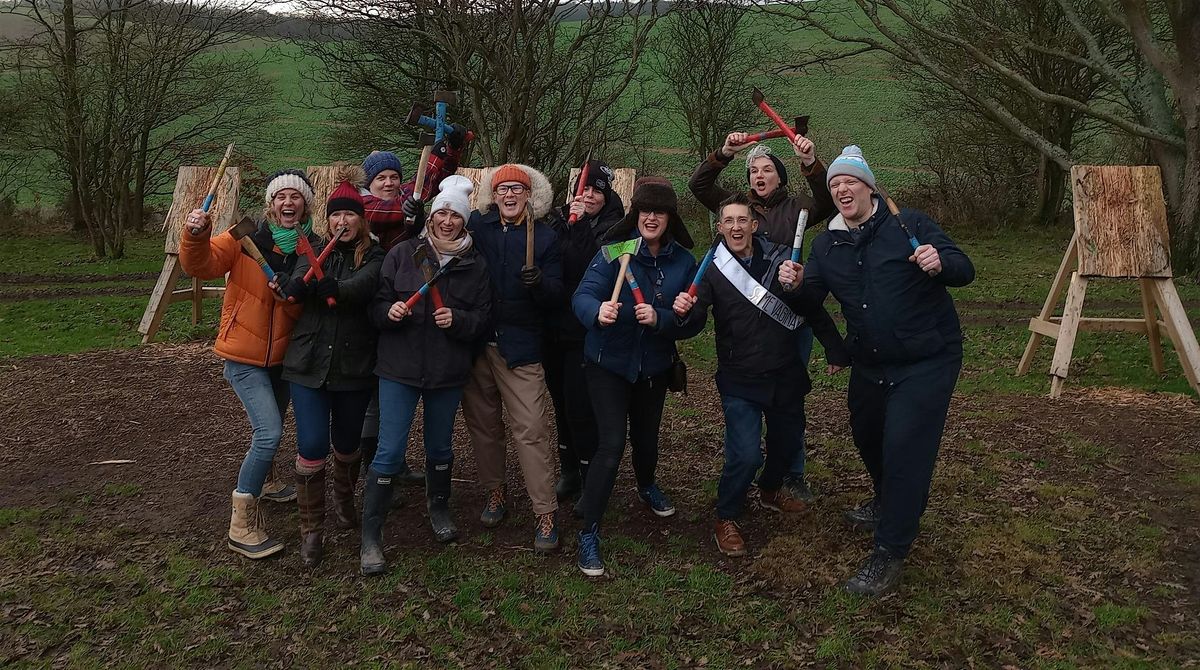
865	516
437	488
880	574
377	502
569	480
409	476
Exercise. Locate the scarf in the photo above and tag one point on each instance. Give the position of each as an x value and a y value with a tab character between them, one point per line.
285	238
448	249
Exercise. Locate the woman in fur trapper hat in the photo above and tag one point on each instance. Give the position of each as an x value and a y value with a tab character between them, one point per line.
508	374
630	352
330	363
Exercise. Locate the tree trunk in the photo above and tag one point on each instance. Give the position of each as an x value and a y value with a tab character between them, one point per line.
1052	187
1184	208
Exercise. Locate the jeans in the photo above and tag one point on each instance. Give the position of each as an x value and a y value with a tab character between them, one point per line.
397	407
265	397
743	453
804	336
615	401
323	416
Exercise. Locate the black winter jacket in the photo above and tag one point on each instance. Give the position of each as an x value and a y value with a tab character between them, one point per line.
335	347
578	245
758	358
519	314
895	313
415	351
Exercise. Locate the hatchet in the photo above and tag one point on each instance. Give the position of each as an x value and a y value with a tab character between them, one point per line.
242	232
622	251
757	96
412	300
583	177
704	263
421	258
314	263
800	128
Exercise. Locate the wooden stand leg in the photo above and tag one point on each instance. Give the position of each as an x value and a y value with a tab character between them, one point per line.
197	300
160	298
1148	302
1068	264
1072	312
1178	328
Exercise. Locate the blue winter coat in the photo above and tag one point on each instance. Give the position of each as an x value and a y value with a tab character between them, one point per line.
627	348
519	314
894	312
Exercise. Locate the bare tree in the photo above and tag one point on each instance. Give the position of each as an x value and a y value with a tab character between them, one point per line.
128	89
1150	77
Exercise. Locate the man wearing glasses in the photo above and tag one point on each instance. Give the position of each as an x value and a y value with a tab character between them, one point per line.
760	373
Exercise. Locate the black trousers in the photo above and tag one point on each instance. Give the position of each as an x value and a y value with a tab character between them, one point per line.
897	416
617	403
573	415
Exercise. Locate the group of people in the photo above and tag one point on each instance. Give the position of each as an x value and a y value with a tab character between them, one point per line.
514	308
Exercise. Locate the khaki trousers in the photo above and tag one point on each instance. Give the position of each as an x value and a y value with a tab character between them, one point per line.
493	388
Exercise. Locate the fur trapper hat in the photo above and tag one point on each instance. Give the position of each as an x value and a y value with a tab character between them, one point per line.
653	194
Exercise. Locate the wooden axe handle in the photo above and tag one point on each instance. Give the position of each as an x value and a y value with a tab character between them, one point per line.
621	277
529	238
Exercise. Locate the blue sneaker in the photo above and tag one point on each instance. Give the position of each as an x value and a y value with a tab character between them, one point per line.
589	552
659	503
545	534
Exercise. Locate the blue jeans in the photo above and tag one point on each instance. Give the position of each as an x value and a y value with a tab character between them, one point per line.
804	337
323	416
265	396
743	453
397	406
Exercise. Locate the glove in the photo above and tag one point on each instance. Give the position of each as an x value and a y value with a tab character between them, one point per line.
293	288
457	136
531	277
327	287
412	207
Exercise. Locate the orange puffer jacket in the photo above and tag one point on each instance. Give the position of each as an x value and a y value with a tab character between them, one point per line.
255	325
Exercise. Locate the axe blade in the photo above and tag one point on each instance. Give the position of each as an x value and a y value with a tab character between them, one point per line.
414	114
616	250
425	140
801	126
756	95
448	97
243	228
421	258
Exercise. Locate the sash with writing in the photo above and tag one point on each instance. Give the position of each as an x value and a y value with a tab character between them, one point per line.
770	304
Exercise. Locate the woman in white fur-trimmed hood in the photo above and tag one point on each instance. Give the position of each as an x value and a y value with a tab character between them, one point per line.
508	373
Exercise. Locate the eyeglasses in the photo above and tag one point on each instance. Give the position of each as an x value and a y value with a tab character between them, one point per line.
515	189
740	222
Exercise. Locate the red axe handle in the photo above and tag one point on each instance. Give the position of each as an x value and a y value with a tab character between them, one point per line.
305	248
766	109
583	177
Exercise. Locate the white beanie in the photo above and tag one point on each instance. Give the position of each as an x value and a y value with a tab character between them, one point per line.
454	194
293	179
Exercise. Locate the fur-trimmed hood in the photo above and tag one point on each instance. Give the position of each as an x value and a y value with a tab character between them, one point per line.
541	196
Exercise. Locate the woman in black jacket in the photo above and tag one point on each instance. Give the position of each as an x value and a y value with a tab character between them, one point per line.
329	365
425	352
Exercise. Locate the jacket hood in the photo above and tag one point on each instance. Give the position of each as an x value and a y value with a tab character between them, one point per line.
541	195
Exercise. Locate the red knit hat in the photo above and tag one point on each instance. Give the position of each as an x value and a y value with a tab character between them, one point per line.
510	172
345	198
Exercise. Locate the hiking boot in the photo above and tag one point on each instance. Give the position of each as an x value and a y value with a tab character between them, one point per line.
545	533
377	502
437	494
345	478
798	488
589	552
247	535
569	483
781	500
659	503
310	494
410	477
275	489
879	575
728	537
493	511
865	516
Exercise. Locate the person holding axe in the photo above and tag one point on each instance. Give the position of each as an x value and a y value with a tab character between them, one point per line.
580	225
330	361
889	269
759	370
523	261
777	211
426	345
256	326
624	301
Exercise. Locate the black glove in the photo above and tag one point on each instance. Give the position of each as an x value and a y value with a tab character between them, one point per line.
531	277
292	288
457	136
412	207
327	287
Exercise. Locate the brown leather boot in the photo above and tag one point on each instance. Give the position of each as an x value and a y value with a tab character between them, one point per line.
345	477
781	500
729	538
310	495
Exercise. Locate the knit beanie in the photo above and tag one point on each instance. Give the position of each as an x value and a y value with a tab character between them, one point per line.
600	177
293	179
379	161
510	172
851	162
454	194
763	150
345	198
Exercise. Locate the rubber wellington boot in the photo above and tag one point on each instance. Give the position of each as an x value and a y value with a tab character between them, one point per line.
437	488
377	502
345	478
310	495
246	533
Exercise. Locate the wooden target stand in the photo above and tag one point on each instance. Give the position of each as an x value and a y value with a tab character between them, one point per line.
191	187
1120	232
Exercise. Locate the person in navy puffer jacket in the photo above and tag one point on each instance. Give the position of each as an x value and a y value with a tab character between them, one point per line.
890	277
630	352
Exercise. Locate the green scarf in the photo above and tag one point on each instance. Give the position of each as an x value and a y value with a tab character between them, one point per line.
285	238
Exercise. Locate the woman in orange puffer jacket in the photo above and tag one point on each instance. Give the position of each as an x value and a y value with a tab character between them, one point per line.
255	326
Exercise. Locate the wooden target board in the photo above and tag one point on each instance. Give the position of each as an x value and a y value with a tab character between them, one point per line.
1121	220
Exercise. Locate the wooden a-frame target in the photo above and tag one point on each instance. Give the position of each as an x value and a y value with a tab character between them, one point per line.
1120	232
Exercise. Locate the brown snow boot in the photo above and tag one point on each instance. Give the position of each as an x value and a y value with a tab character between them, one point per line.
345	478
246	533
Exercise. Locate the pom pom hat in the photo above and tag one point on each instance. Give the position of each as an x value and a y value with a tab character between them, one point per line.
851	162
